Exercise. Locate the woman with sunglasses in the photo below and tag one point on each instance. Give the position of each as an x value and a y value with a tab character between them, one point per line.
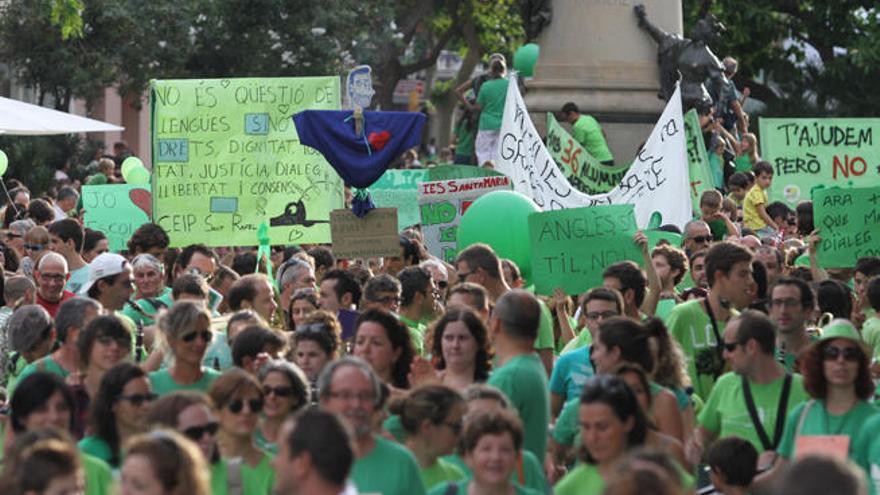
315	344
302	304
287	390
385	343
432	417
150	294
837	377
193	415
186	328
239	400
118	412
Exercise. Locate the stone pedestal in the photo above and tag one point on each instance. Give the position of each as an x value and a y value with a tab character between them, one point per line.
594	54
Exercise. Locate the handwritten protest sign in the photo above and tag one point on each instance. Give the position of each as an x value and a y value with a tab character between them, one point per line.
227	158
806	153
656	183
371	236
698	160
582	170
849	223
442	203
572	247
399	188
117	210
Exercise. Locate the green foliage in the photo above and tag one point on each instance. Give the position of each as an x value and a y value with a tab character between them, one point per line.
34	159
67	14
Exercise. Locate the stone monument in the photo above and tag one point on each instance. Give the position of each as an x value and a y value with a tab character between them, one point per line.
594	54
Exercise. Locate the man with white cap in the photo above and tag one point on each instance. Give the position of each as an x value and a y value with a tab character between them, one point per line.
111	283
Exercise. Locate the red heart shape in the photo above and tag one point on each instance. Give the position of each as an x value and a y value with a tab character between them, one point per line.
143	200
378	140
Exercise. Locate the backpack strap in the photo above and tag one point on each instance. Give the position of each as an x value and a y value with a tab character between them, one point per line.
234	476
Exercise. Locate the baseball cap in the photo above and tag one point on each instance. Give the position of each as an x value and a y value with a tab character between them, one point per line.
104	265
840	329
28	326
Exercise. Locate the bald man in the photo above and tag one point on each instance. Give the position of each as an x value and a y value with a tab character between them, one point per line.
50	276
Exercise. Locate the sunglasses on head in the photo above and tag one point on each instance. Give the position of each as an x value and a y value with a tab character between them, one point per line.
138	400
237	406
196	433
204	334
832	352
278	391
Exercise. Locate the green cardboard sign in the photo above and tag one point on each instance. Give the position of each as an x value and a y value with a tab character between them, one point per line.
849	224
582	170
400	188
572	247
227	158
698	160
117	210
806	153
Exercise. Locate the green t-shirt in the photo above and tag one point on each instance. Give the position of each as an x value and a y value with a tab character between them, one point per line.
743	163
149	307
566	430
97	447
17	367
530	476
416	333
587	131
462	487
438	473
163	383
545	329
867	452
689	324
524	381
47	364
583	339
259	480
388	469
99	476
584	478
77	279
464	144
820	422
725	412
493	94
871	334
664	307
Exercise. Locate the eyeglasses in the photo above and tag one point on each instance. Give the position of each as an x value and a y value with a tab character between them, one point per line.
730	346
442	284
278	391
137	400
109	339
787	303
34	247
10	235
237	406
349	396
702	238
831	353
595	315
205	335
52	277
196	433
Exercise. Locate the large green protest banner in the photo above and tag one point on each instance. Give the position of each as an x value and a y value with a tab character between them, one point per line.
572	247
849	224
806	153
582	170
227	158
698	161
117	210
400	188
442	204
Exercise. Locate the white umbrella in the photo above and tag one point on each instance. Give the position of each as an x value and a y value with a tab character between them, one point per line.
20	118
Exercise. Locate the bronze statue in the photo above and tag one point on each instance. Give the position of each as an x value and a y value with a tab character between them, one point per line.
689	59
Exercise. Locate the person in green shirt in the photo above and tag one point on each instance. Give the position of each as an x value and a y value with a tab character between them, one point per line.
465	134
698	324
187	331
151	294
480	264
754	400
383	341
418	296
513	328
838	379
315	455
491	444
31	335
490	104
350	388
432	419
587	131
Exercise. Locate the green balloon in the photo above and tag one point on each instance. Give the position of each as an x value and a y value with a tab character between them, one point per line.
501	220
137	176
4	162
130	163
525	58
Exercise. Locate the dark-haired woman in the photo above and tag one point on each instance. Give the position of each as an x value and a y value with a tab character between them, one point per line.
384	342
286	390
118	412
460	346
